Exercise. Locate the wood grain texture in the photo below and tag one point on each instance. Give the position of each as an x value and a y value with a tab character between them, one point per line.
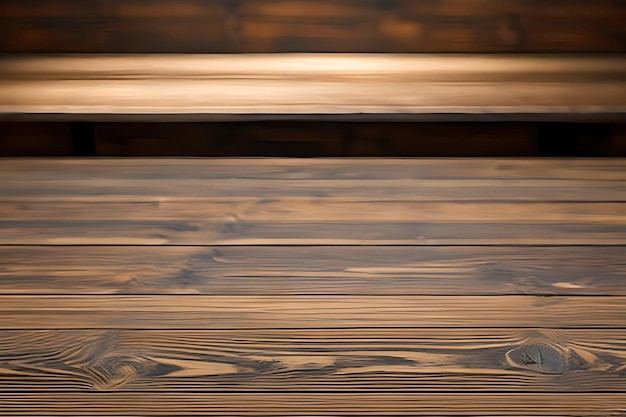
211	87
292	221
513	171
368	360
156	329
605	170
292	312
303	404
320	202
347	270
224	26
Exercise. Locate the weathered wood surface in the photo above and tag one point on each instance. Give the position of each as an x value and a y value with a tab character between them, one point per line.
301	404
366	360
214	87
327	221
136	324
333	202
226	26
308	312
362	270
406	179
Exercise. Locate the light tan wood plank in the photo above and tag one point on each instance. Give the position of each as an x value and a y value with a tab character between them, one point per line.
425	67
347	270
286	312
324	221
365	179
366	360
327	202
304	404
317	168
214	85
297	210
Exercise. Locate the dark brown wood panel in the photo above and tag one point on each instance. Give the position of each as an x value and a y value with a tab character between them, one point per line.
367	360
319	139
312	26
40	139
308	312
155	139
313	270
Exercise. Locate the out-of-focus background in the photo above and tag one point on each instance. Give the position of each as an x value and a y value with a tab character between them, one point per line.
268	26
282	26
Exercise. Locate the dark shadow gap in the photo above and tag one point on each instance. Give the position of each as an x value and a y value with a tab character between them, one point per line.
306	139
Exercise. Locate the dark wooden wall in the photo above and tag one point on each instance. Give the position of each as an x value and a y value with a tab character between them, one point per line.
225	26
319	139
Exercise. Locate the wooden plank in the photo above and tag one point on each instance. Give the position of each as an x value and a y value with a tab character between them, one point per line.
304	404
348	270
209	87
317	202
294	221
294	210
329	67
308	312
605	170
156	180
271	26
346	361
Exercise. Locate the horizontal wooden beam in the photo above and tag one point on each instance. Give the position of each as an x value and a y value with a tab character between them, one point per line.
317	202
356	270
365	361
308	312
349	86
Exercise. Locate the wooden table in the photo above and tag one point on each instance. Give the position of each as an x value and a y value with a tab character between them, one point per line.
311	87
277	287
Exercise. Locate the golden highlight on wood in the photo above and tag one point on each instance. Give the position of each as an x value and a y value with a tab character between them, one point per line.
222	87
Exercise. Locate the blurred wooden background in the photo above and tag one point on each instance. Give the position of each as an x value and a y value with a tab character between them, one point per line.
254	26
281	26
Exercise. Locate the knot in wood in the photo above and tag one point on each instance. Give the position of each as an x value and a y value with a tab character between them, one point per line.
540	354
112	372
